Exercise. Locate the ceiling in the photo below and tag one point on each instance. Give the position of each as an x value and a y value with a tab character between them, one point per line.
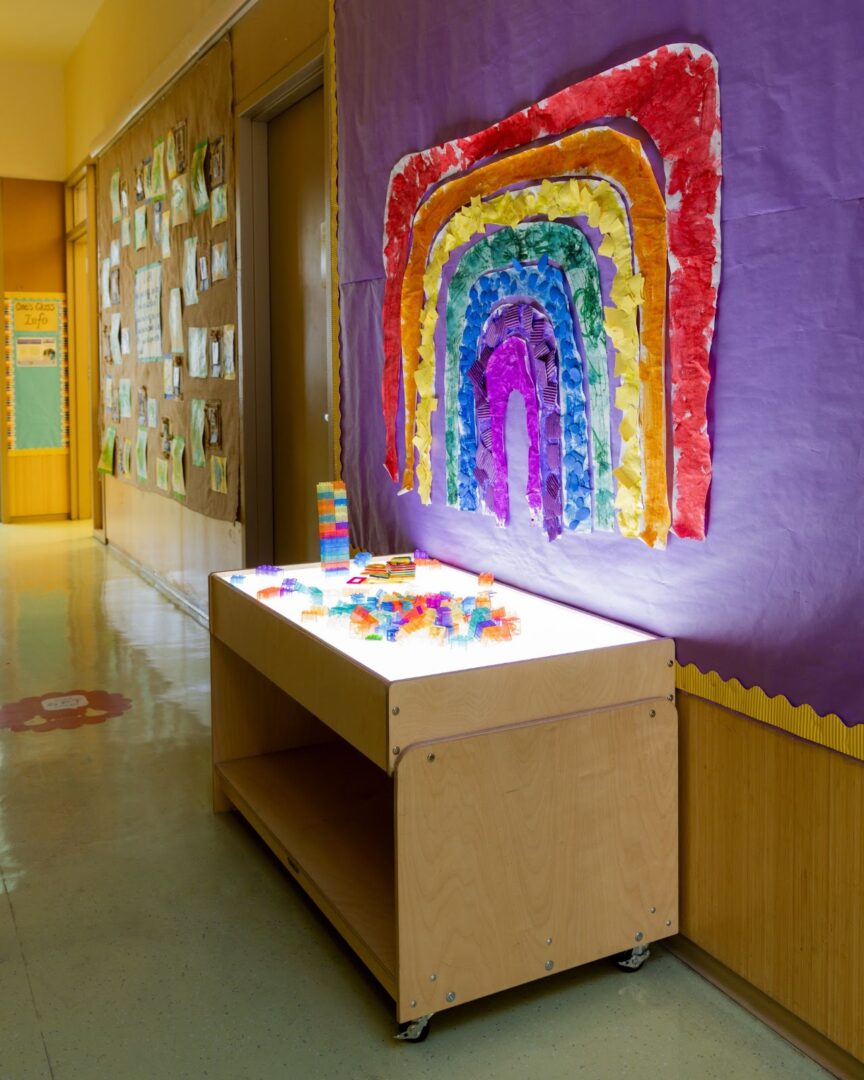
43	31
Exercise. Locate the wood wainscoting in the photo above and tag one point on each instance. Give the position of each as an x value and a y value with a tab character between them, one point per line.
772	864
38	484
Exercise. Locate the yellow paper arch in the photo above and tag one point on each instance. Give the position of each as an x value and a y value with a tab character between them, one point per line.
602	205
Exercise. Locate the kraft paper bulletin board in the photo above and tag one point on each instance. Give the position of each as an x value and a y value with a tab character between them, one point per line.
141	182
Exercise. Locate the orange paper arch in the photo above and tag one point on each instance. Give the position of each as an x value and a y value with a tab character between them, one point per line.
605	153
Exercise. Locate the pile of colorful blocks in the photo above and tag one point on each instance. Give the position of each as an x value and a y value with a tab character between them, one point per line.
393	616
442	617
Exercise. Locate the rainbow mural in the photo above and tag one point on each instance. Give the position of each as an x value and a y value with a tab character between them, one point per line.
562	272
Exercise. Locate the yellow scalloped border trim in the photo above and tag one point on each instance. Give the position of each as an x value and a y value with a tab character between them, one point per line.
779	712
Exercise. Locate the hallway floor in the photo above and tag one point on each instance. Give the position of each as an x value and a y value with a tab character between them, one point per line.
143	937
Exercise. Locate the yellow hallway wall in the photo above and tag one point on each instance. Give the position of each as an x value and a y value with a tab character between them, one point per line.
128	53
32	143
270	37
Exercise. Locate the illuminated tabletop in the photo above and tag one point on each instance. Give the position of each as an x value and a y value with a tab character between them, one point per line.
469	817
546	628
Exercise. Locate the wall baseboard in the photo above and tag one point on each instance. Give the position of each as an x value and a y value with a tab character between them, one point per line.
187	606
794	1030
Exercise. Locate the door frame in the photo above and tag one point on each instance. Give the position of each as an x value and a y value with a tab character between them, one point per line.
306	74
84	374
4	460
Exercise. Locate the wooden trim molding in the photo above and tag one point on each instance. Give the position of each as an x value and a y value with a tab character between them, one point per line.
806	1038
333	228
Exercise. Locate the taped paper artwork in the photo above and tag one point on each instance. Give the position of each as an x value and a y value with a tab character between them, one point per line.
564	272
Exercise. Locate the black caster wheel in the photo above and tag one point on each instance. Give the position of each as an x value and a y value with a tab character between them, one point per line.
633	960
415	1031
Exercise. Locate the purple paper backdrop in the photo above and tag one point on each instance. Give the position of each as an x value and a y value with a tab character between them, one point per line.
775	594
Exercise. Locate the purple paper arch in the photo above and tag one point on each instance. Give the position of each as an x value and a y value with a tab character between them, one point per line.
518	353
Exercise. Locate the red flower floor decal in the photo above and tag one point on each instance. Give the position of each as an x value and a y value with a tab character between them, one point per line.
67	710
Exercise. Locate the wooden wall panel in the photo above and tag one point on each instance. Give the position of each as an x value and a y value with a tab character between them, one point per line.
38	483
177	547
772	864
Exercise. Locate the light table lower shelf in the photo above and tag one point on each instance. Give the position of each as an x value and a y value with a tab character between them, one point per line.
327	813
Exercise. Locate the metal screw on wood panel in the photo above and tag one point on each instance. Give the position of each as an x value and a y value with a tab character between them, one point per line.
639	936
395	710
432	978
668	922
451	996
397	750
670	663
652	713
548	940
670	697
653	910
430	757
549	965
413	1004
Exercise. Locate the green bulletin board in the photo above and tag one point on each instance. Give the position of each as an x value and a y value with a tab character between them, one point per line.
37	392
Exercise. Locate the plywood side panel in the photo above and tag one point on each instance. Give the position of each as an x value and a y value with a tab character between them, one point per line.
349	699
251	715
772	853
469	701
546	842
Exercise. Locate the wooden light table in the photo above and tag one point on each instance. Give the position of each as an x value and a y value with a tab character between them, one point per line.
469	819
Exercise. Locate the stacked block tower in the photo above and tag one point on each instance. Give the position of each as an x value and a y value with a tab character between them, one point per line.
333	526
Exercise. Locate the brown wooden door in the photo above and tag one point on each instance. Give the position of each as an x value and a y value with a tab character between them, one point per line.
300	391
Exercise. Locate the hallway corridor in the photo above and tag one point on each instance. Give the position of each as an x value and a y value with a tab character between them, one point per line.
142	938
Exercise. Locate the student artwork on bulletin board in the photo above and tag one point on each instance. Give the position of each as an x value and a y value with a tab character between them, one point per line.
506	249
168	299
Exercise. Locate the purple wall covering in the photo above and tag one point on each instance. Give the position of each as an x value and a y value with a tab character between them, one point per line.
775	594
